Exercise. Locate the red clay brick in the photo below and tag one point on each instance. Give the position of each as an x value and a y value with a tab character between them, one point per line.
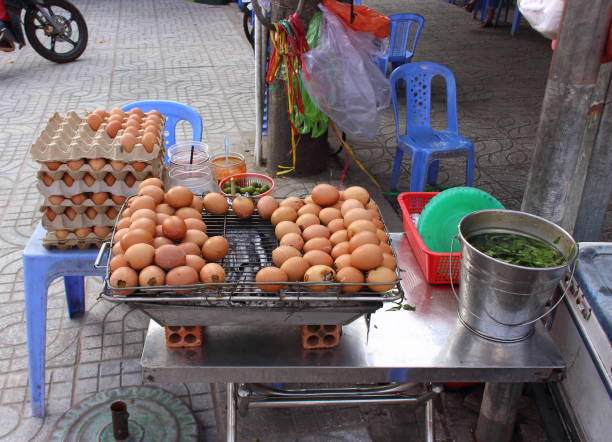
320	336
184	336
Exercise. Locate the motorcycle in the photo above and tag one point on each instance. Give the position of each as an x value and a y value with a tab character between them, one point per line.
55	28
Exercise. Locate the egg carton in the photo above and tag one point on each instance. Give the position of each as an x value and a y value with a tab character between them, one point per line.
80	221
146	168
71	241
82	209
67	202
70	137
119	187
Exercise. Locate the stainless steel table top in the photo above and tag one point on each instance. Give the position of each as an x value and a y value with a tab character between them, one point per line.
429	344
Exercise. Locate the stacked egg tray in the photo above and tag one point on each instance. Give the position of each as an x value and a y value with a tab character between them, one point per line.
85	176
239	300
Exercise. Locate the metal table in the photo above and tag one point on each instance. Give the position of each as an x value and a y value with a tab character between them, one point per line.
427	345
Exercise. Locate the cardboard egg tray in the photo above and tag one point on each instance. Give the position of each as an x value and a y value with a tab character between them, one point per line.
71	241
67	202
151	167
61	188
70	137
82	218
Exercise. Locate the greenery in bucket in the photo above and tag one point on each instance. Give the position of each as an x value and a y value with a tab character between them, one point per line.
516	249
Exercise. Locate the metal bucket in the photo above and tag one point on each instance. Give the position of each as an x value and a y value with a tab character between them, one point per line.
502	301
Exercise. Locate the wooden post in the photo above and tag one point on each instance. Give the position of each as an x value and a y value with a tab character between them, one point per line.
312	153
560	162
498	412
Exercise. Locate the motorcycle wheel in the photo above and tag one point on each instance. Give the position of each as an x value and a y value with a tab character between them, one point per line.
50	43
248	25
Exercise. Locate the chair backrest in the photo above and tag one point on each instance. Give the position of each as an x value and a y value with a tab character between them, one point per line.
417	78
405	32
174	112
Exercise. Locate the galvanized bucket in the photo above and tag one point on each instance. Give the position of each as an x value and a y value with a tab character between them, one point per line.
502	301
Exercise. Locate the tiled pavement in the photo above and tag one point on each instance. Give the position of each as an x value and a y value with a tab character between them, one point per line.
172	49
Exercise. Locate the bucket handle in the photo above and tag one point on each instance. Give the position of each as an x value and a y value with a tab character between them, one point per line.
503	323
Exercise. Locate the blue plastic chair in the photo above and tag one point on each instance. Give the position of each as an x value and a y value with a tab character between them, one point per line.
174	112
402	40
424	144
40	268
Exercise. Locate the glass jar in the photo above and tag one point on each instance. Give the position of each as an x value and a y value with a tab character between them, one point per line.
190	167
223	167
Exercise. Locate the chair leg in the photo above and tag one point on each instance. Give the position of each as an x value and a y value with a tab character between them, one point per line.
397	164
516	21
35	294
418	172
469	169
75	294
432	173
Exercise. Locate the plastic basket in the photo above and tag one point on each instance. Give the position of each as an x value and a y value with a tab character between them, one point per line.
245	179
435	265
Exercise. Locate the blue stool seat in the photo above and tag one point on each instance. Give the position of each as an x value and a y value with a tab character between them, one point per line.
40	268
174	112
425	145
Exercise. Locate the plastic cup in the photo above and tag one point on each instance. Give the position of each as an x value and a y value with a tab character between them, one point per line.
222	167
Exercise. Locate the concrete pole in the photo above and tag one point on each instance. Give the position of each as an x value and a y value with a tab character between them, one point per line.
560	163
498	412
312	153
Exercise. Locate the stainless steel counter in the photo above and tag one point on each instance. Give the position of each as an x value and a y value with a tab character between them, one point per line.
427	345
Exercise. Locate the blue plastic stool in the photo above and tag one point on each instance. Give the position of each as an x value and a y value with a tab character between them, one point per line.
401	45
424	144
174	112
40	268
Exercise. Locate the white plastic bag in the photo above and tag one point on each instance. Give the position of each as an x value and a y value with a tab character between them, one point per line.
343	79
543	15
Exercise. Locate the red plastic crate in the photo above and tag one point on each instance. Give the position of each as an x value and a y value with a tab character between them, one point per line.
435	265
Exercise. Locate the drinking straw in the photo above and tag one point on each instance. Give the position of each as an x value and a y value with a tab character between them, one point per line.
191	156
226	145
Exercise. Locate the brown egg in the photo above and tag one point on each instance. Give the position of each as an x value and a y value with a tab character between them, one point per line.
293	201
46	179
120	233
322	244
285	227
378	223
328	214
100	113
382	236
179	196
165	208
136	236
308	200
133	130
118	199
126	213
295	267
270	274
348	205
389	261
381	275
307	220
110	179
56	199
99	198
151	276
375	213
153	117
127	141
124	277
62	234
336	225
142	202
358	193
360	225
243	207
159	241
136	111
212	273
143	223
195	261
101	231
151	182
154	112
338	237
386	248
154	192
144	213
75	164
53	165
116	262
151	129
309	208
148	140
96	163
159	231
124	223
350	274
189	248
197	203
215	203
316	231
138	166
174	228
78	199
87	179
182	275
362	238
340	249
195	224
115	117
342	261
112	128
215	248
319	273
83	232
117	111
338	205
68	180
283	214
49	213
129	180
366	257
292	239
140	255
117	249
197	237
91	213
70	213
282	254
318	257
325	195
169	256
266	205
355	215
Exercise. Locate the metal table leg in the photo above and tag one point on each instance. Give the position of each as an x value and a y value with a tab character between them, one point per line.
231	413
498	412
429	421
